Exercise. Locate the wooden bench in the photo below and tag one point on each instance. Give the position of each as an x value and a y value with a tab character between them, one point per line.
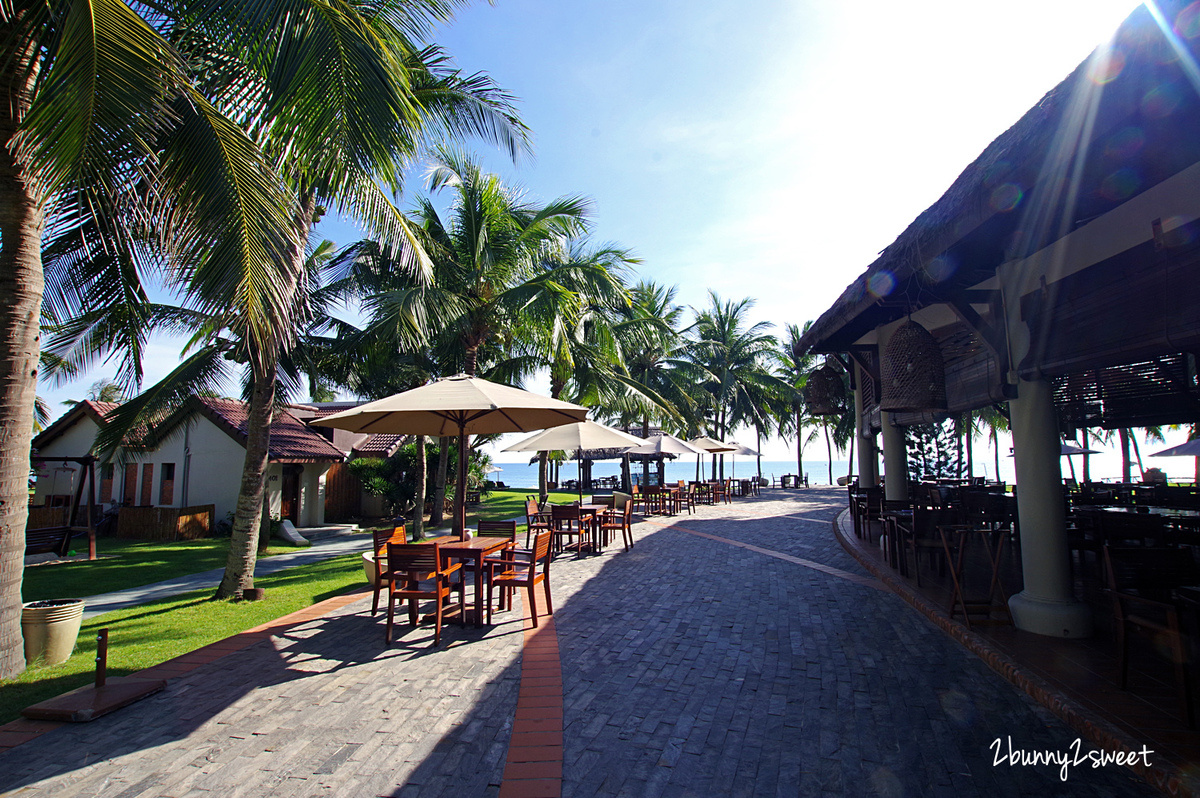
54	539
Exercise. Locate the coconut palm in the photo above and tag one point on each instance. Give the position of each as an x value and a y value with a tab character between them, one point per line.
340	121
111	157
794	364
734	358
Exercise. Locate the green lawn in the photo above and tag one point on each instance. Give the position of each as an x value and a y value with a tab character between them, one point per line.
152	633
501	505
127	563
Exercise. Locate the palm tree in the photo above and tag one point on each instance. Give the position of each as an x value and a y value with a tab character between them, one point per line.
794	365
733	359
339	121
650	341
485	275
151	153
573	331
102	390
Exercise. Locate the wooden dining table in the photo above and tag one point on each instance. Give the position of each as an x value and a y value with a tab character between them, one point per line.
474	550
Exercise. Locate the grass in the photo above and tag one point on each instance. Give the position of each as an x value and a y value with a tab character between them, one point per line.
147	635
125	564
501	505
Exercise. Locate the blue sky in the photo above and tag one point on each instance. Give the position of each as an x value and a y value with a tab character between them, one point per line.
765	150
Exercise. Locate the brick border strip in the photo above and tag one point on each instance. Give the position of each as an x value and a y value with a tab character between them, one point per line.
23	730
533	768
1166	777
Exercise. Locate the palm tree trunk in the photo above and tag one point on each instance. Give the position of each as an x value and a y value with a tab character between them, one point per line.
799	447
758	448
970	447
996	451
645	460
22	221
1125	465
1137	452
439	483
247	517
850	467
1087	458
828	453
418	515
543	467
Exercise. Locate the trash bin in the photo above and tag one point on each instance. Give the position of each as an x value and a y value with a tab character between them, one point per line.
50	629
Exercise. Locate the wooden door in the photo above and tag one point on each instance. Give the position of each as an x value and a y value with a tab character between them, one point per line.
290	494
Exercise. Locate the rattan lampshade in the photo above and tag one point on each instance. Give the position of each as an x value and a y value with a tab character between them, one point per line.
824	392
912	371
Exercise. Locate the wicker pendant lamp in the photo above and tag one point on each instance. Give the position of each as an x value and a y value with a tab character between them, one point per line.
824	392
912	371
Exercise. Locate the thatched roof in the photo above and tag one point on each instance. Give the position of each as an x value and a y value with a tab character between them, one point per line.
965	224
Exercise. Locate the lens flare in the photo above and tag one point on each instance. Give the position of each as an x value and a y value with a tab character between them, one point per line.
1005	197
1161	101
1106	70
1125	143
1121	184
882	284
1187	23
940	268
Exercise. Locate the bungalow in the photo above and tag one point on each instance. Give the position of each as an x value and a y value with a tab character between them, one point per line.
194	458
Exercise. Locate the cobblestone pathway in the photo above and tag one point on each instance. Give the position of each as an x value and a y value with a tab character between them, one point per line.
690	666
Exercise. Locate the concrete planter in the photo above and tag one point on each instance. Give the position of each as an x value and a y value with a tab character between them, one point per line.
50	629
368	563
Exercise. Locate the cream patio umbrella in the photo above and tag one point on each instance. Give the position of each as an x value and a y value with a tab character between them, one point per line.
460	406
742	449
710	446
577	437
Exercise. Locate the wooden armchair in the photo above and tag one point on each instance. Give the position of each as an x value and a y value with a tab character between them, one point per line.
409	564
508	574
1141	580
536	520
566	522
379	540
619	519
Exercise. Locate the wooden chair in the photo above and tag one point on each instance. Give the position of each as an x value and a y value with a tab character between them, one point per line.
720	491
1140	581
379	540
921	537
509	574
536	519
409	564
566	521
687	496
620	518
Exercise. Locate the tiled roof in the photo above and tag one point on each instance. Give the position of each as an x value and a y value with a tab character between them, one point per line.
379	445
291	439
87	408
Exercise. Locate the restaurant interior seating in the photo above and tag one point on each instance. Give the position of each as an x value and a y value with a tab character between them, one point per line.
1141	580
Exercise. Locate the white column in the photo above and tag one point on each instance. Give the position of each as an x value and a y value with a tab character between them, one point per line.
1047	605
895	460
868	456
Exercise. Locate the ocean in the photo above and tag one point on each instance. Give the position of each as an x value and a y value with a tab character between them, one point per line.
525	475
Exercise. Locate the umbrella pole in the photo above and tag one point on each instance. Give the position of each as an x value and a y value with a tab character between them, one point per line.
460	495
579	473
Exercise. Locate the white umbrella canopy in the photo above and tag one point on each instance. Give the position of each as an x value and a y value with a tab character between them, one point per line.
583	435
742	449
577	437
666	444
459	406
711	445
1186	449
